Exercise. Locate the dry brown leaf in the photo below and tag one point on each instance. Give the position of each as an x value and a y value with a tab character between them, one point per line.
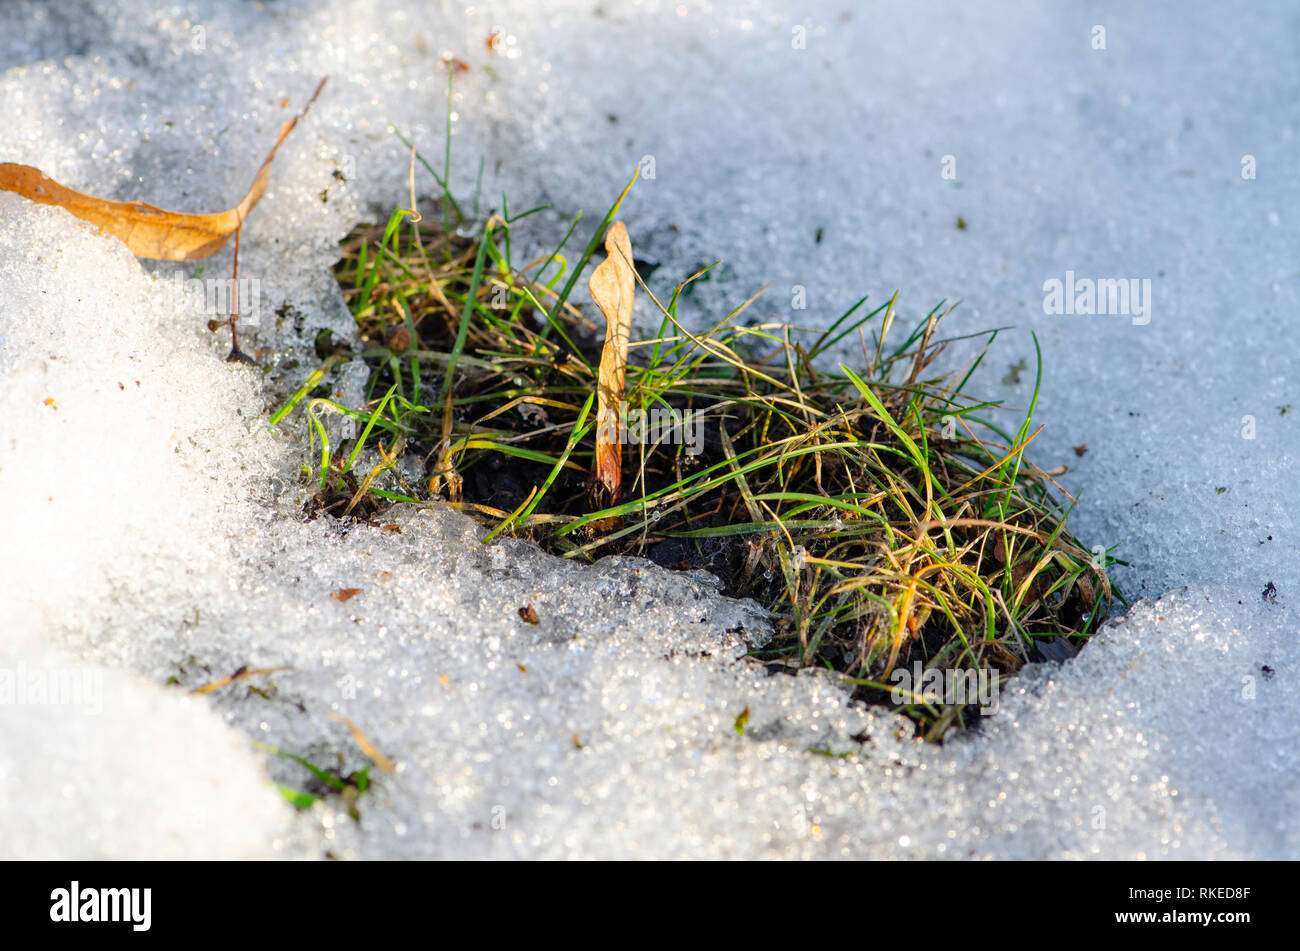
147	231
343	595
612	285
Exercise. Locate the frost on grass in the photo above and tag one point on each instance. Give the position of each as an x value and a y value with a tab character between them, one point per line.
172	547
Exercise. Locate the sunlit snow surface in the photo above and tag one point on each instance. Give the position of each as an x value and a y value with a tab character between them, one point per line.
149	516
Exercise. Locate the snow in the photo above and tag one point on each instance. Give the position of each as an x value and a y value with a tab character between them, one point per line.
149	514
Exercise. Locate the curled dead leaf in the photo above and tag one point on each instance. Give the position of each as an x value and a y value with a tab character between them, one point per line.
147	231
613	285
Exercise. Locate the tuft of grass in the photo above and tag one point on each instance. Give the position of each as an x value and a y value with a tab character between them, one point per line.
878	512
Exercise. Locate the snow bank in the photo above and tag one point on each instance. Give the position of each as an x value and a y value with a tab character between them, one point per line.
150	532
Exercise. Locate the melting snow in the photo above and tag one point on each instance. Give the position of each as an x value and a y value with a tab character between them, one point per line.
149	514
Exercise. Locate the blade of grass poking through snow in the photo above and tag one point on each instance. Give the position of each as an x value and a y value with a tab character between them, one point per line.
510	221
329	779
1029	417
370	424
822	343
373	275
476	279
415	217
313	381
885	324
297	798
556	256
670	315
442	183
318	427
